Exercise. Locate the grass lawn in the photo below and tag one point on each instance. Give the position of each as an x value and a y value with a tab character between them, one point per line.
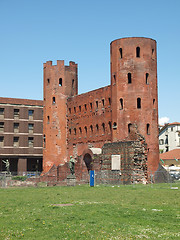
101	212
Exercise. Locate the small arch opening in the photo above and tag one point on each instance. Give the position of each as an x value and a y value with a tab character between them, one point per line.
80	130
97	128
88	161
48	119
74	131
109	99
48	80
114	77
138	103
154	102
60	82
74	109
147	78
73	84
79	108
121	103
138	52
96	104
114	125
91	129
103	127
129	127
148	128
85	128
103	102
110	126
120	51
129	78
53	100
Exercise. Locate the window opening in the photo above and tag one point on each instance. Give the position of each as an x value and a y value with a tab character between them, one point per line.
103	102
80	130
171	129
91	105
114	76
48	119
1	141
129	78
109	99
73	83
1	113
80	108
148	128
96	104
97	128
74	131
103	126
114	125
48	80
85	128
70	131
30	127
53	100
91	129
129	127
120	51
138	103
153	102
16	127
121	103
85	106
75	109
60	82
152	51
110	126
147	76
44	141
138	52
30	141
1	127
16	113
16	142
69	110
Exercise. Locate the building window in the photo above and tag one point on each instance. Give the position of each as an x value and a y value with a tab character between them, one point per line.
91	129
114	77
103	102
148	128
109	100
79	108
70	110
129	127
114	125
121	103
167	149
60	82
147	78
161	141
53	100
1	113
48	80
138	52
90	105
110	126
120	51
171	129
103	127
153	102
166	140
129	78
96	104
30	141
85	107
1	126
31	114
73	84
1	141
16	142
48	119
44	141
85	128
153	52
16	127
139	103
80	130
70	131
97	128
31	127
74	131
16	114
74	109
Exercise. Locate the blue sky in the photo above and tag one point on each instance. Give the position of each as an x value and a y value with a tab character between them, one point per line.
35	31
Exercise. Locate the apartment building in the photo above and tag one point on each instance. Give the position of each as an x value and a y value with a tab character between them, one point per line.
21	134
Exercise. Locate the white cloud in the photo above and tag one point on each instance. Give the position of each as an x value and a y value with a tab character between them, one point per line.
163	120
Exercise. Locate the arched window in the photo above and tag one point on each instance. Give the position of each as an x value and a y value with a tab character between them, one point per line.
48	80
148	128
103	127
85	128
53	100
114	125
121	103
153	102
147	78
74	131
129	127
129	78
114	77
80	130
97	128
60	82
73	84
138	102
120	51
110	127
48	119
138	52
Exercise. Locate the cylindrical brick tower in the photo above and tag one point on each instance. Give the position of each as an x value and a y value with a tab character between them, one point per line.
134	93
60	82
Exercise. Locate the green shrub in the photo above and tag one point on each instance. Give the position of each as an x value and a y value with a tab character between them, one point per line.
20	178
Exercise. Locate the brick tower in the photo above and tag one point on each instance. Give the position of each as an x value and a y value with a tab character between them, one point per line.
134	93
60	82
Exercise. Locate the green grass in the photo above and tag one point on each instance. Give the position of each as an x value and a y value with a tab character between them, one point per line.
102	212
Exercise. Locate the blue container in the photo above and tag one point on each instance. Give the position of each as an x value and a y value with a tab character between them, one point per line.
92	176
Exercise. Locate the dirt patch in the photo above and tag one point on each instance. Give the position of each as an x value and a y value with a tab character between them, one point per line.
62	205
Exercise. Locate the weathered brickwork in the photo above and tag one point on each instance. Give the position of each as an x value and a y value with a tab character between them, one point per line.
125	111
